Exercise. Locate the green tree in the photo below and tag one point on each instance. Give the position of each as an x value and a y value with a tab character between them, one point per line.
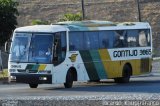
40	22
8	19
72	17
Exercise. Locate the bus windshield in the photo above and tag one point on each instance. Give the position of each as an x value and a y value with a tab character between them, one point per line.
27	47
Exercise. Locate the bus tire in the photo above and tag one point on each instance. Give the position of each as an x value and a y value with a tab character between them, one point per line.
125	75
69	80
33	85
117	80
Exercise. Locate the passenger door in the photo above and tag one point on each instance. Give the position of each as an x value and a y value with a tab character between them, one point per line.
59	48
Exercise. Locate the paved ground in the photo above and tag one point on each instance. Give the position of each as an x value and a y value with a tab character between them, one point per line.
149	84
141	91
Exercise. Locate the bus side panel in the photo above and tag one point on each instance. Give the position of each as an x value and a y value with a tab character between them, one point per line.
135	65
89	65
81	69
59	73
140	66
95	65
114	68
99	65
136	69
108	64
73	60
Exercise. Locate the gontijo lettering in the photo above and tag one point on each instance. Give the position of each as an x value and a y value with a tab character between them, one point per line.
129	53
125	53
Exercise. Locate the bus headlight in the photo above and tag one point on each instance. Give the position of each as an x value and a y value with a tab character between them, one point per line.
13	77
43	78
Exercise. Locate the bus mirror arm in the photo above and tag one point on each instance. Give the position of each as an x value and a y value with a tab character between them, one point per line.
7	46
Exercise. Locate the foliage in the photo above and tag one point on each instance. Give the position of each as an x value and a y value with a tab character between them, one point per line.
8	19
72	17
4	73
39	22
156	53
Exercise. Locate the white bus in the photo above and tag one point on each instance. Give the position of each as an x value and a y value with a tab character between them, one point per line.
80	51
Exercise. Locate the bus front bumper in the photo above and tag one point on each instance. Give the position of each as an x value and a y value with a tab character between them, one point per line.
31	78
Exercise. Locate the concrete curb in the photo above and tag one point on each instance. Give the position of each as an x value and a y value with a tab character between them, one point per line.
102	100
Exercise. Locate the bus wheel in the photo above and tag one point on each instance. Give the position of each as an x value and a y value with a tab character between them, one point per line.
69	80
33	85
117	80
126	75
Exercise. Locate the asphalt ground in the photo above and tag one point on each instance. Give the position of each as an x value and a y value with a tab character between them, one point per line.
142	90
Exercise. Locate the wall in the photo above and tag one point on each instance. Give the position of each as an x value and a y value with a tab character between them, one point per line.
111	10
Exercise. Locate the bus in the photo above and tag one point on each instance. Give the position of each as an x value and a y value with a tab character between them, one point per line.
85	51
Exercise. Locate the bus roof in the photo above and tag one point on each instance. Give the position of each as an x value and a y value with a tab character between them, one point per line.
90	25
41	28
103	25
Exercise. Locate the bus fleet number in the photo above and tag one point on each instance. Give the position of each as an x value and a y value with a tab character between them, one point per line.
145	52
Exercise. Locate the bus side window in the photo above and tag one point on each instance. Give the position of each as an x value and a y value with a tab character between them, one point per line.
105	43
72	47
76	41
148	38
106	39
132	38
143	39
119	40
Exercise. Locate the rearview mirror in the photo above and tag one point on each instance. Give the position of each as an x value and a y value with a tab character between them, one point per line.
7	46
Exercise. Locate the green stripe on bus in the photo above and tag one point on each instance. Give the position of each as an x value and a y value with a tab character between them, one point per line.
32	67
35	67
98	64
29	67
90	67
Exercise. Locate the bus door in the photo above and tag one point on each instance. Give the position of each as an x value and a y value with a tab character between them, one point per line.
59	48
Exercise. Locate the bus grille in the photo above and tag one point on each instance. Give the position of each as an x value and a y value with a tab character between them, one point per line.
21	71
28	71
